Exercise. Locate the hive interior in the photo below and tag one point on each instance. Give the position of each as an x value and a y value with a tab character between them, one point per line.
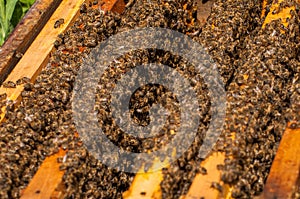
259	69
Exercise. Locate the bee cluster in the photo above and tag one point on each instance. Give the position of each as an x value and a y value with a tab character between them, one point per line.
259	68
262	98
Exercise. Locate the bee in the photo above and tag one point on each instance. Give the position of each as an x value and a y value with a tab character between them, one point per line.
28	86
18	54
23	80
294	125
59	22
3	96
203	171
9	84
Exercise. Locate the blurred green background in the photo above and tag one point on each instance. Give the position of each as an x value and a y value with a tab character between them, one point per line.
11	12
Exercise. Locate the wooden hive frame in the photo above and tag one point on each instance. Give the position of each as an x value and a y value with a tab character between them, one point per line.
47	182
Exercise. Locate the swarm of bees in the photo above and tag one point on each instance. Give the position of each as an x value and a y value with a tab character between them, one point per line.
259	68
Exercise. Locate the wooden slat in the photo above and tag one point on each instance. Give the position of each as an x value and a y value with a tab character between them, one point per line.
14	93
282	180
264	5
37	55
48	180
23	35
201	186
203	183
284	172
203	10
48	175
114	6
283	14
35	58
147	185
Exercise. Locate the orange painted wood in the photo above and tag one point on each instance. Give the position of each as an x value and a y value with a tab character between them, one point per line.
282	180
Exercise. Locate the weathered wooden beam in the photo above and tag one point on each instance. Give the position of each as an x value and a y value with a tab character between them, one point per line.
285	170
23	35
204	10
202	184
146	185
47	182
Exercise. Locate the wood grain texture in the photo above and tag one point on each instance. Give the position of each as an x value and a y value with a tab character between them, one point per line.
284	174
201	186
203	10
31	66
114	6
204	182
37	55
47	182
146	185
23	35
282	180
48	175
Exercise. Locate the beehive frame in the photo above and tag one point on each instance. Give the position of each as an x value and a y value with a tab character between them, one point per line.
280	183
